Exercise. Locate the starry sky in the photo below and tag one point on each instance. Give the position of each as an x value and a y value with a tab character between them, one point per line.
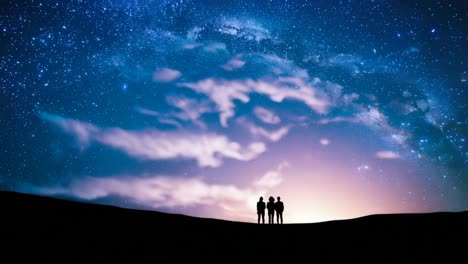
342	108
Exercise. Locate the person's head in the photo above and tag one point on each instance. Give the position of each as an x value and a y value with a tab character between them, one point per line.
261	198
271	199
278	198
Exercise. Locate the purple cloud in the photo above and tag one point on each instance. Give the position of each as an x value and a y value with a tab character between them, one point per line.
166	75
266	115
387	155
223	93
233	64
207	149
156	191
189	109
257	131
162	118
159	191
325	141
272	178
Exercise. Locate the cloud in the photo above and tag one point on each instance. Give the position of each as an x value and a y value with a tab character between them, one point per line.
292	88
153	190
248	29
375	119
83	131
272	136
272	178
223	93
423	105
403	108
266	115
324	141
190	46
162	118
214	47
349	98
190	109
207	149
194	33
352	63
148	112
280	66
337	119
233	64
163	192
387	155
166	75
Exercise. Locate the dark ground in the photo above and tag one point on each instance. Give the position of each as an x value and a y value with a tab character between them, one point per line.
48	230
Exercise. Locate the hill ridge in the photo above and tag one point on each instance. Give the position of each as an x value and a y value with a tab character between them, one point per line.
48	229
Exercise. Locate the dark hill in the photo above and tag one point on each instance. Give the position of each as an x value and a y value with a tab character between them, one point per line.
44	230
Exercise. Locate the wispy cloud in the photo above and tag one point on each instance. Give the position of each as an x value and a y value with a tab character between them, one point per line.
248	29
83	131
272	136
160	191
187	110
262	132
215	47
194	33
352	63
190	109
272	178
223	93
375	119
387	155
292	88
266	115
349	98
153	190
207	149
281	66
234	63
372	117
161	118
338	119
166	75
324	141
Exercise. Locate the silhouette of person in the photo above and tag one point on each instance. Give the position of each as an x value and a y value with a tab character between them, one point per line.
271	210
261	210
279	208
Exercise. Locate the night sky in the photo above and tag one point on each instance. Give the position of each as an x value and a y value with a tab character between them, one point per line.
342	108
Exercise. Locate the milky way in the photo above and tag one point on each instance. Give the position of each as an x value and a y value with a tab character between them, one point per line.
200	107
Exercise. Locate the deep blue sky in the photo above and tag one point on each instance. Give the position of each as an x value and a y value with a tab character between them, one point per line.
344	108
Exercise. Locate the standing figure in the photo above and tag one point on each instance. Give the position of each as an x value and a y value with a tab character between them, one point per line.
279	208
261	210
271	210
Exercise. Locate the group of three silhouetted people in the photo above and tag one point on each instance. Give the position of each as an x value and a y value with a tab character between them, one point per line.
272	207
